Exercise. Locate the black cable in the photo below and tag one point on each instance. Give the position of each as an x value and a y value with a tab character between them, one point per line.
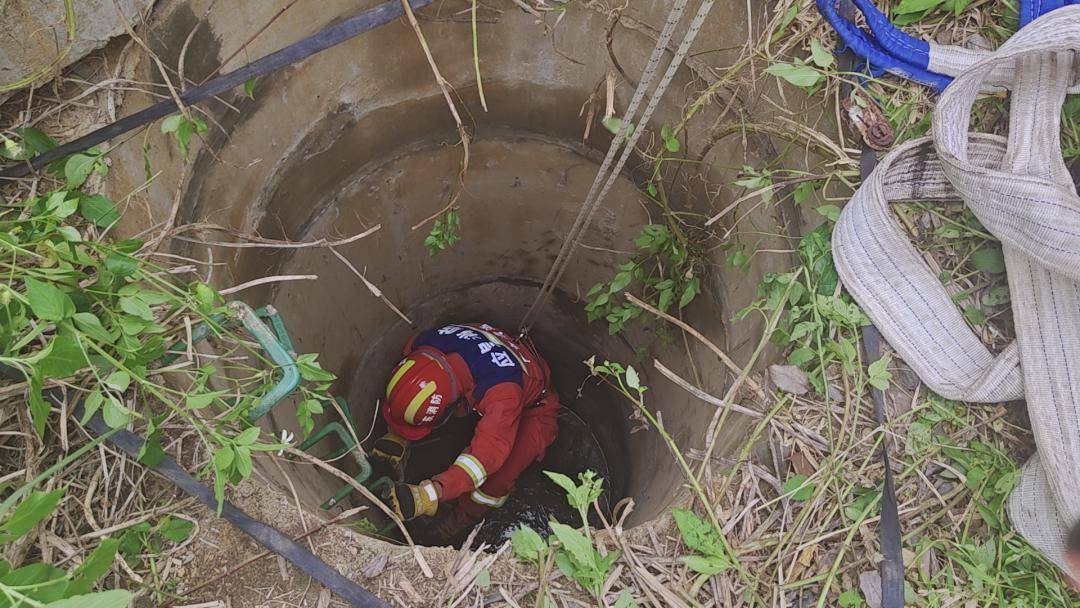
324	39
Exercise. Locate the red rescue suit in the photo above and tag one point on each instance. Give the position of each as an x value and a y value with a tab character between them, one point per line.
509	386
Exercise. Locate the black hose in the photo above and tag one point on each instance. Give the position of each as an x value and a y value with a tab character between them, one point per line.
331	36
265	535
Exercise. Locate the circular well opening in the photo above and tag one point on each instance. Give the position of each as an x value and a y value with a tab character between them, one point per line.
360	136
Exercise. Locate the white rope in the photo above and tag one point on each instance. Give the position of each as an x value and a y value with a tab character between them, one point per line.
1021	191
608	174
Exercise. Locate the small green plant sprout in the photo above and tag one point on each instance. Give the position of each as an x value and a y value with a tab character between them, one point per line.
144	539
614	123
183	128
798	488
879	374
572	549
444	234
712	555
580	495
579	559
40	585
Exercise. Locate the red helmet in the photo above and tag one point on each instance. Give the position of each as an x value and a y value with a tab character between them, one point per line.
420	395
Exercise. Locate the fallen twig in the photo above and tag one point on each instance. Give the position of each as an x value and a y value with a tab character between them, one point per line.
265	280
375	291
700	394
258	242
462	133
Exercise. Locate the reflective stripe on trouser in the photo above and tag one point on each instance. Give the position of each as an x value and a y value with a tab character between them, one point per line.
538	428
488	501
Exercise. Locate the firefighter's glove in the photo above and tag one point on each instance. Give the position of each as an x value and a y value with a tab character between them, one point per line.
411	501
390	448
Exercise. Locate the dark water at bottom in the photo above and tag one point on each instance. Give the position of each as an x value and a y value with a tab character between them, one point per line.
536	500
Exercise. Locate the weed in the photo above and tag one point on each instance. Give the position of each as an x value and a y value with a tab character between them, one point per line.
39	585
821	323
667	271
444	234
573	549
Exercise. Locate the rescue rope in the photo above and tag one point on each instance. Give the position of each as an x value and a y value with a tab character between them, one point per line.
1021	191
628	133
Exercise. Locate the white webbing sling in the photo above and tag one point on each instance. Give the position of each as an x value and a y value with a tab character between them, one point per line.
1021	191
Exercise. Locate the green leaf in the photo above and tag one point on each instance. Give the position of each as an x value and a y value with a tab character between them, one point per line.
625	600
798	489
89	324
114	413
223	459
619	282
830	212
64	358
48	302
93	567
614	123
249	87
632	379
136	306
819	55
562	481
171	123
116	598
803	192
121	265
78	168
880	374
99	210
527	544
915	6
851	599
574	542
249	436
997	296
989	260
697	534
91	405
199	401
38	141
176	529
798	75
707	565
32	510
692	289
48	582
118	381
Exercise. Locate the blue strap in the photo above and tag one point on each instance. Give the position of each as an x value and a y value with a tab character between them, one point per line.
869	49
899	44
887	48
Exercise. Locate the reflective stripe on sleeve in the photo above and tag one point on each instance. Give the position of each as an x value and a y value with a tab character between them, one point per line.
473	467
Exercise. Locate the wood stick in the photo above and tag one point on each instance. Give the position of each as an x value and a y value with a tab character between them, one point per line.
700	394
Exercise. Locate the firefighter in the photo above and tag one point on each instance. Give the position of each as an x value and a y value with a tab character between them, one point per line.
458	370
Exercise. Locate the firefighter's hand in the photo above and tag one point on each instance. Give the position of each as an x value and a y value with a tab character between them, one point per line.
411	501
390	448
